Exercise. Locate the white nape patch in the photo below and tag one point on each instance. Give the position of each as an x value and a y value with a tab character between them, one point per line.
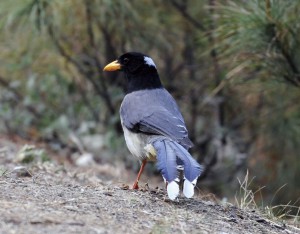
188	188
149	61
173	190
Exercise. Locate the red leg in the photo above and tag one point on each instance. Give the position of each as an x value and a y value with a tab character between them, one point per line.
136	183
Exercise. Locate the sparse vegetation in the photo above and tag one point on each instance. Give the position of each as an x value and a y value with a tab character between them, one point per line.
245	200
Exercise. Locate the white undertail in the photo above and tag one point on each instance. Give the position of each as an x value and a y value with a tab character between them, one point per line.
173	190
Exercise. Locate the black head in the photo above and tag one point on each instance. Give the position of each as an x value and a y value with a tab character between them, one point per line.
132	62
135	63
139	69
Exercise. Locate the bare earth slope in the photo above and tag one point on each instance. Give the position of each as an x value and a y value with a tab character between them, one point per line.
59	200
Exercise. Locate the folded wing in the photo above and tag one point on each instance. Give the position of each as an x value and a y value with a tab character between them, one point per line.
155	113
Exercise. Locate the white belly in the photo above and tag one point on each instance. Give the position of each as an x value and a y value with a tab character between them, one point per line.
134	143
138	145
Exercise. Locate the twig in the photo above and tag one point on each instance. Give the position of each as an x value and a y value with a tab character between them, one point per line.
181	8
4	83
90	33
81	70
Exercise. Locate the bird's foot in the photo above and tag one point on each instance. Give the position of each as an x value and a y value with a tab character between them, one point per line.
135	185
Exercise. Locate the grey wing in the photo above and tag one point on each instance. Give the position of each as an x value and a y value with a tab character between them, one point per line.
168	125
156	119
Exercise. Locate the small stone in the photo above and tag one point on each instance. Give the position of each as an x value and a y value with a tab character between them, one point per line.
86	159
124	186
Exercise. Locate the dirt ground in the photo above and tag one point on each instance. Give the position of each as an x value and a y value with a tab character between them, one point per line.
53	198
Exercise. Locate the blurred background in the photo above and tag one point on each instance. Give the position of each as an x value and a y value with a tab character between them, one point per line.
232	65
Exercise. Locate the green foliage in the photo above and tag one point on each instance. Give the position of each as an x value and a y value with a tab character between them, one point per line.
262	35
259	43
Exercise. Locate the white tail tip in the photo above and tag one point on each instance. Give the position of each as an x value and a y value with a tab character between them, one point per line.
173	190
188	188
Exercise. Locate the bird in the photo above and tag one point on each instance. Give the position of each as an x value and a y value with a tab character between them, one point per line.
153	126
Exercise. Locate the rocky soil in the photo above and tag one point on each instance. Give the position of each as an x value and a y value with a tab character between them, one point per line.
53	198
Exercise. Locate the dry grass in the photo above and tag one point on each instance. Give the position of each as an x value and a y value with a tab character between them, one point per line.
245	200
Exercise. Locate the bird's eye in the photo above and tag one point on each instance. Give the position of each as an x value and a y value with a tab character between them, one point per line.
126	60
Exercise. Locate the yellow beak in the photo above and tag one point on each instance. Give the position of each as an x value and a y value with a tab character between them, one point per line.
113	66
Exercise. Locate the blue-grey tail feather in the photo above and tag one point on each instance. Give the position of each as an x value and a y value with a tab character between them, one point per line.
169	155
192	169
166	160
